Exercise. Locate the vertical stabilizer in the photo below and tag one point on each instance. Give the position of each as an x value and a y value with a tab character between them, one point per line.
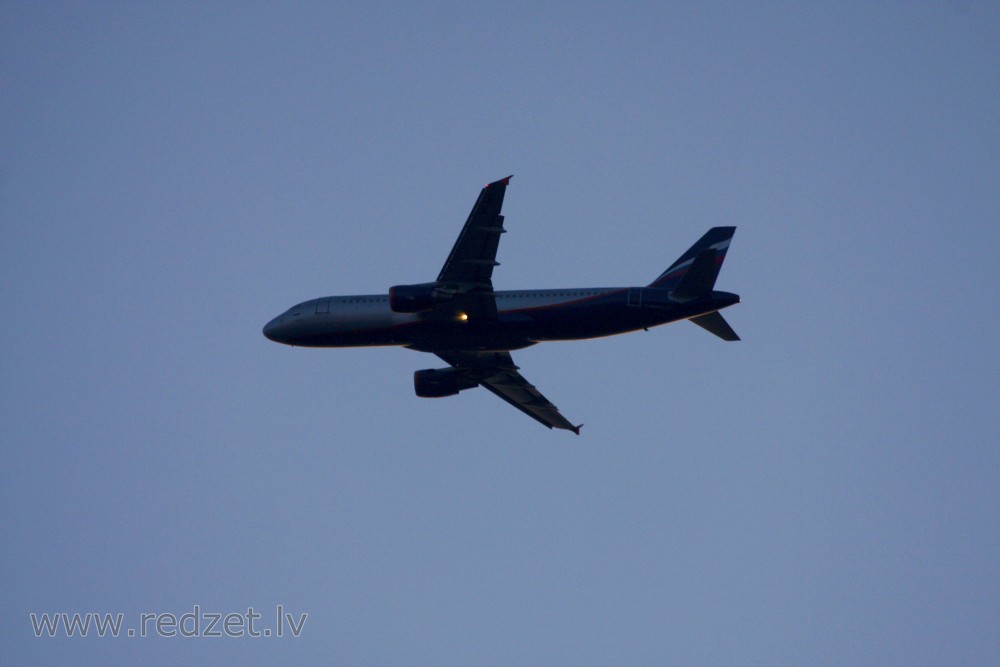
716	239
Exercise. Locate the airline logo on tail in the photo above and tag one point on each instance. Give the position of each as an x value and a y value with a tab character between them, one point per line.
716	239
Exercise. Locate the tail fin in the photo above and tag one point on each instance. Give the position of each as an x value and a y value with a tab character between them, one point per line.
693	276
702	260
699	279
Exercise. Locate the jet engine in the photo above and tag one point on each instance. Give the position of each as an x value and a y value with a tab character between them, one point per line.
415	298
440	382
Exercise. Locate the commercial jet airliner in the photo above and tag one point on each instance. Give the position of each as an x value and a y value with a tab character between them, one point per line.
472	327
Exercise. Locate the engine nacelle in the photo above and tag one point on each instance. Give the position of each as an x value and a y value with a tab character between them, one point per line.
440	382
414	298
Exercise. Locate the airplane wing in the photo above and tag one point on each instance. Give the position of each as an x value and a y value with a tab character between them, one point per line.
496	371
468	271
474	254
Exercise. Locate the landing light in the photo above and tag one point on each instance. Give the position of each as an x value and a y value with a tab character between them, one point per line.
462	317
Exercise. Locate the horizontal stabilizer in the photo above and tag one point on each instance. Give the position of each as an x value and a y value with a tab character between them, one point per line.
716	324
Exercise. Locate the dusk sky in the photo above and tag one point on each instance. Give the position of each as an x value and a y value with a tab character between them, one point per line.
824	492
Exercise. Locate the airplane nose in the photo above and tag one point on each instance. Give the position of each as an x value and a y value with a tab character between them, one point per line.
271	330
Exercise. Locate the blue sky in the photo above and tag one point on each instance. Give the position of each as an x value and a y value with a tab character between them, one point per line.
823	492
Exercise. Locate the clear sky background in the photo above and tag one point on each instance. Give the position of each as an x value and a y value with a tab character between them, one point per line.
825	492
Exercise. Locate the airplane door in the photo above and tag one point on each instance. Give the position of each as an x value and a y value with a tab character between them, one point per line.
635	296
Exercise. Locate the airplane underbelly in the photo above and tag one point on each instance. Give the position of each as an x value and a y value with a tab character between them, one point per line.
592	322
494	335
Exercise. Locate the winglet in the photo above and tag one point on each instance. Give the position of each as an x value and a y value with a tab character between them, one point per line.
576	429
502	181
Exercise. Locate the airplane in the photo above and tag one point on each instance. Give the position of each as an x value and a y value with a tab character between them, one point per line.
472	327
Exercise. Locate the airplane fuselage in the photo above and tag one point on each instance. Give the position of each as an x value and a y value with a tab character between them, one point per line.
524	318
